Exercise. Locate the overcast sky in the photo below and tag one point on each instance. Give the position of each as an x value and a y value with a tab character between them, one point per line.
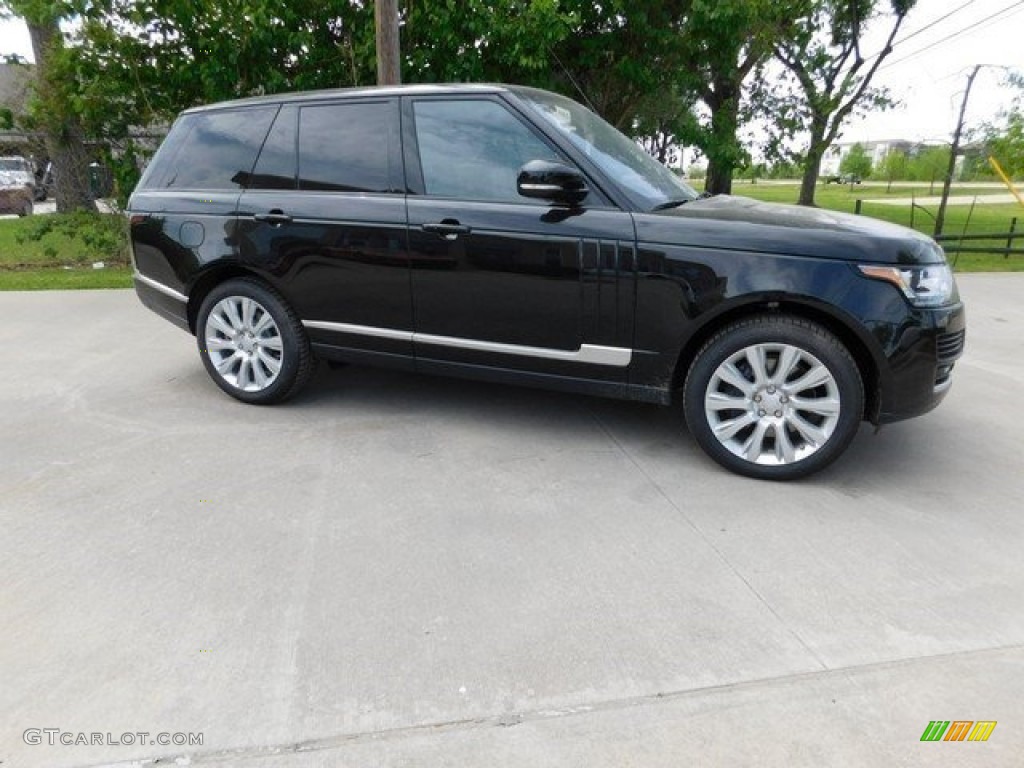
939	43
927	70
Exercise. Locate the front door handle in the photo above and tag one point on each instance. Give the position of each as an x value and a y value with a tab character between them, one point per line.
275	218
449	229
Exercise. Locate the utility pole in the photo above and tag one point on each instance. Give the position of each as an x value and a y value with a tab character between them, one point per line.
940	217
386	16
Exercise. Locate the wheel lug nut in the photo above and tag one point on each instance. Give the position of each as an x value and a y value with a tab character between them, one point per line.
761	412
778	414
757	398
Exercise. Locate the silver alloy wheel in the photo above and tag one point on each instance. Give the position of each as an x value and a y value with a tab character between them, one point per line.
772	404
244	343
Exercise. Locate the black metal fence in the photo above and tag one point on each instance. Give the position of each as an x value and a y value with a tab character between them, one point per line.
975	242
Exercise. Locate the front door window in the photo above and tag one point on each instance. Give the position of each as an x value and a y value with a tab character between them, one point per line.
473	149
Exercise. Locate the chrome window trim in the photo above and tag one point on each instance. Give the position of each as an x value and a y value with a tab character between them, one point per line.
160	287
592	354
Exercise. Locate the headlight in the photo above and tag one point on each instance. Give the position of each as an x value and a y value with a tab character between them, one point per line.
929	285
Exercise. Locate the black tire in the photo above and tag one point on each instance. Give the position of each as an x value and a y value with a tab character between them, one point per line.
793	419
261	359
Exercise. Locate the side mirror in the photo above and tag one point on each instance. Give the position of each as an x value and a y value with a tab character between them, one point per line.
552	181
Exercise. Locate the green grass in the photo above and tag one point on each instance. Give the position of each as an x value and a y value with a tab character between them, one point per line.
836	196
983	218
53	279
58	251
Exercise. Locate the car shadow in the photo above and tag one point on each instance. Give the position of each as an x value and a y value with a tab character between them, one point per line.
641	429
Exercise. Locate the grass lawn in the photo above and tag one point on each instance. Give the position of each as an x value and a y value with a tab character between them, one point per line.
58	251
984	218
52	279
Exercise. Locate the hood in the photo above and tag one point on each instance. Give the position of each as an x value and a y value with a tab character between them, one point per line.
742	224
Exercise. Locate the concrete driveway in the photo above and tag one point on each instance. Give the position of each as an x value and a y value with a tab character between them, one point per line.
413	571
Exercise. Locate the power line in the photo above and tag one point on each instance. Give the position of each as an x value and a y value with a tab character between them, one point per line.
925	28
1008	9
939	20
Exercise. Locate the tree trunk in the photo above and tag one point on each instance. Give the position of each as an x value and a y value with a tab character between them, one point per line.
64	137
723	150
719	178
812	167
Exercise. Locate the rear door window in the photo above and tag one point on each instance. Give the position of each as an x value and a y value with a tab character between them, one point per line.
346	147
278	163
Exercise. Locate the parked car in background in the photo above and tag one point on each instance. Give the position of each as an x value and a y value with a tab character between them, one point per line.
15	195
510	234
22	170
843	178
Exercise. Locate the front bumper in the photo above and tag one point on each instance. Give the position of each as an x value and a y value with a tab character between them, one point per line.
919	371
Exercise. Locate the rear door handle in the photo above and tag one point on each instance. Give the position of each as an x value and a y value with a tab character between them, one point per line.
274	218
449	229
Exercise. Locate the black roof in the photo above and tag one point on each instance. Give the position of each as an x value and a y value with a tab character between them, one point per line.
348	93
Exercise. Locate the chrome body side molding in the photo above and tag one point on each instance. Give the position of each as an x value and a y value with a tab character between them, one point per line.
592	354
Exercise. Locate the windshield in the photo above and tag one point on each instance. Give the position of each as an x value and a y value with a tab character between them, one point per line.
648	183
12	164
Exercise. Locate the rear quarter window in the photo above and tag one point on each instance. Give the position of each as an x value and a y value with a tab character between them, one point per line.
211	150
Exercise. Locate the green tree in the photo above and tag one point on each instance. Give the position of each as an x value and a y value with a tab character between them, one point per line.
929	164
782	168
665	122
831	77
724	41
614	56
143	61
894	167
483	40
619	56
54	109
857	162
1005	142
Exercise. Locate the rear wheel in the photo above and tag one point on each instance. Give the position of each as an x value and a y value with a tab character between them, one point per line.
774	397
252	343
26	209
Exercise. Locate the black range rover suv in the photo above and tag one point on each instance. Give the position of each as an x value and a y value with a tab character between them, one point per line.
509	234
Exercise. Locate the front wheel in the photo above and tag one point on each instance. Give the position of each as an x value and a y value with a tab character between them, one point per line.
252	343
774	397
